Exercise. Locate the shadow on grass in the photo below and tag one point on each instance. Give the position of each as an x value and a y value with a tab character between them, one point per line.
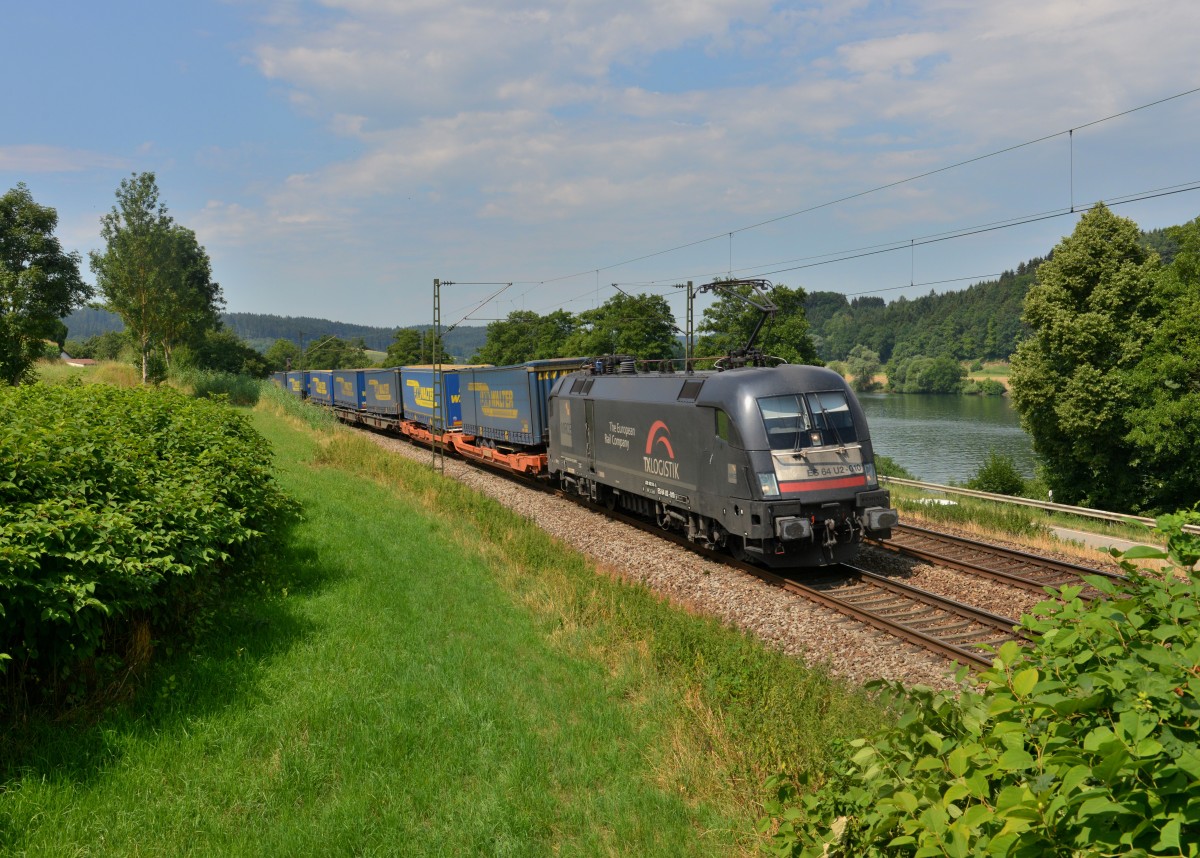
222	670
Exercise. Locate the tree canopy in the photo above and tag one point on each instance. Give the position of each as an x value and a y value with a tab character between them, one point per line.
1108	382
153	272
414	347
39	283
728	322
640	325
334	353
524	335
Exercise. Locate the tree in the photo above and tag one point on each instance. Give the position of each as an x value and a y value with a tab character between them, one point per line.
283	354
639	325
1091	313
224	351
39	283
335	353
414	347
1164	422
728	323
864	365
194	300
153	273
525	335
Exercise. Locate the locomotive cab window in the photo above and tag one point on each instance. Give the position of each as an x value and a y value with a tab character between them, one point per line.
727	429
831	414
786	421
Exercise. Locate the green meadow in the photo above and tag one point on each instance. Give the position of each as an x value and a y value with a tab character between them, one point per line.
422	672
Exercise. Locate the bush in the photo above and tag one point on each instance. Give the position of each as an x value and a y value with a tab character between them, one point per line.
207	384
984	387
886	466
1086	743
998	475
118	507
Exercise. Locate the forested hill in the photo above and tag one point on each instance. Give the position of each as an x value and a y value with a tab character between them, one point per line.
261	330
982	321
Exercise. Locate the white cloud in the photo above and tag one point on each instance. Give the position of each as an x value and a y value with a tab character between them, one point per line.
517	128
34	158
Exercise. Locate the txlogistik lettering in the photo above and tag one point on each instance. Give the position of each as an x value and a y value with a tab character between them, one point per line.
660	467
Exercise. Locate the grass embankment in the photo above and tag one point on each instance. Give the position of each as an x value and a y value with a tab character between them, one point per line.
1030	526
424	682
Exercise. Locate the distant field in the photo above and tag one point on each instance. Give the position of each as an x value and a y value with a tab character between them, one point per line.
997	370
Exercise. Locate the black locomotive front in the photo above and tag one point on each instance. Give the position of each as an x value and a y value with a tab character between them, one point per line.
774	463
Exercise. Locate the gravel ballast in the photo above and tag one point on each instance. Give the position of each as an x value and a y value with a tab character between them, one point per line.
851	650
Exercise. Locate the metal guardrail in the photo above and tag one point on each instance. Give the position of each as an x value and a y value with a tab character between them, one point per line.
1082	511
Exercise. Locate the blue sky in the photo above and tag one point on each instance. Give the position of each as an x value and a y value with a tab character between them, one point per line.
335	157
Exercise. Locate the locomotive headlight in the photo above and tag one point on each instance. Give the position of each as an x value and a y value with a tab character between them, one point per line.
768	485
872	480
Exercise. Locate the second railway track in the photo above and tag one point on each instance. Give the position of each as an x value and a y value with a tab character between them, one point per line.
1016	568
952	629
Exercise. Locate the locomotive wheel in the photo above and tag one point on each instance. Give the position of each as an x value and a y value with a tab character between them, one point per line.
610	501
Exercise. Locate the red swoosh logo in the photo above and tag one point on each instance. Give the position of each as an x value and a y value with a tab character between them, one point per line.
665	440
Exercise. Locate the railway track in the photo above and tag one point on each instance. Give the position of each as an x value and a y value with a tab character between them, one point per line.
949	628
942	625
1016	568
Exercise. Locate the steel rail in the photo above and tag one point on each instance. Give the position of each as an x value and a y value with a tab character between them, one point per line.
1062	572
904	630
1081	511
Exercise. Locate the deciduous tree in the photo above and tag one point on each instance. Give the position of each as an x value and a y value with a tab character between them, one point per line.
525	335
728	323
640	325
153	272
1091	313
39	283
414	347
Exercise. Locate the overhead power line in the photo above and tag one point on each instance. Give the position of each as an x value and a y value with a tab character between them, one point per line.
817	207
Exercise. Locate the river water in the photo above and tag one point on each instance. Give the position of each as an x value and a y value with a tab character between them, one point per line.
944	438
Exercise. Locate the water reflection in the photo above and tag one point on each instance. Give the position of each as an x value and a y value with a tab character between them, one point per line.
944	438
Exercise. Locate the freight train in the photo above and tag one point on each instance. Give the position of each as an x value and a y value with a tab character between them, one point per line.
773	463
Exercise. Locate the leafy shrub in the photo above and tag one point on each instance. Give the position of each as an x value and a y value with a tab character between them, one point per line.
889	467
925	375
998	475
119	506
984	387
237	389
1087	743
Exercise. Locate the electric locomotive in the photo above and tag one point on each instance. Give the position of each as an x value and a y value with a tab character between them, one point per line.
774	463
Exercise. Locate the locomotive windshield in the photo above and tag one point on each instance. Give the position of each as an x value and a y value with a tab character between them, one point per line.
796	421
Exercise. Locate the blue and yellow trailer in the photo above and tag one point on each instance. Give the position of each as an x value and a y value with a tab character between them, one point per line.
348	387
509	404
417	390
320	386
297	383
